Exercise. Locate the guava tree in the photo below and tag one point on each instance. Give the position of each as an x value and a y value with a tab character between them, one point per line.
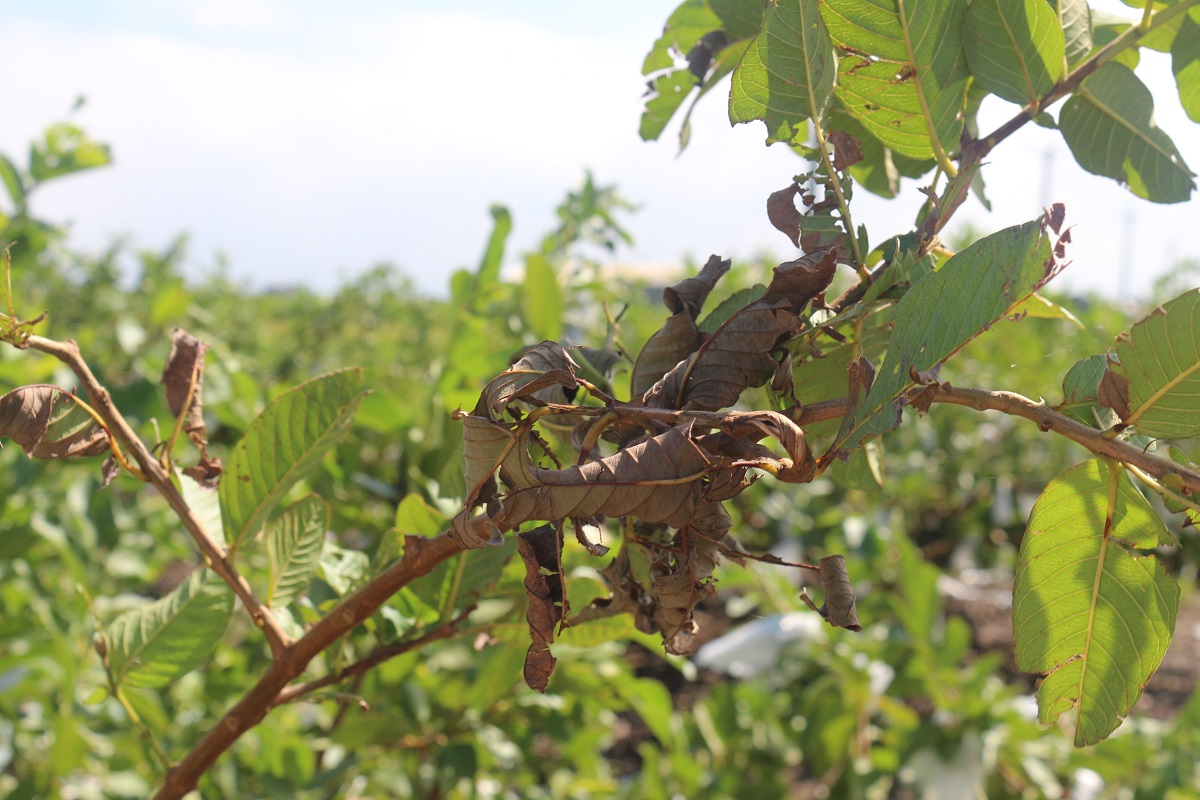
781	381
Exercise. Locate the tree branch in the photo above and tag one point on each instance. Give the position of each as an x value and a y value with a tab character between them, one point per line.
213	551
976	150
376	658
420	556
1049	420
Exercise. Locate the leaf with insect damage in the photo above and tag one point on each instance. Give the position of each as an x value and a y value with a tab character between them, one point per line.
679	336
657	479
183	378
738	354
541	550
49	423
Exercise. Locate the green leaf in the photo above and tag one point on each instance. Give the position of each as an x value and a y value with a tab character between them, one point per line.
1109	125
155	644
907	80
12	182
1016	49
542	299
414	515
947	309
1160	358
1089	611
294	542
1081	393
787	73
65	149
1185	63
488	274
691	20
1042	308
670	91
280	447
343	569
1075	20
455	583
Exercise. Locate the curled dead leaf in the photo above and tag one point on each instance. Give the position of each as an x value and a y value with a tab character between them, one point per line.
183	380
838	609
783	214
48	422
541	550
1114	389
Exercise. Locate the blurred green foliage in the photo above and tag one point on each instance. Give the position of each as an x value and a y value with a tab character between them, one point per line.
890	712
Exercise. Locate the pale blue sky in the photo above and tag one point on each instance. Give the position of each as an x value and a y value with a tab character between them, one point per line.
308	140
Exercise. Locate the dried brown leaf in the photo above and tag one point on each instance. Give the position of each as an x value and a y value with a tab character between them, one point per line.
541	550
737	355
679	336
541	367
1114	389
183	379
838	609
688	295
847	151
783	214
47	422
656	480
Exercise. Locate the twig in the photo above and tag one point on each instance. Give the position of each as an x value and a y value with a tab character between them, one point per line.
420	556
1048	420
975	151
376	658
154	474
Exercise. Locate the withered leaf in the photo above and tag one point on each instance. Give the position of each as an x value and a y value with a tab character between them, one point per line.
1114	389
861	374
783	214
838	609
541	550
681	576
183	380
678	336
47	423
737	355
657	480
847	151
543	366
688	295
839	606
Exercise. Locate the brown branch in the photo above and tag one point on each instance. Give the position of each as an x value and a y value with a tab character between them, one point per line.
213	551
1049	420
420	556
975	151
376	658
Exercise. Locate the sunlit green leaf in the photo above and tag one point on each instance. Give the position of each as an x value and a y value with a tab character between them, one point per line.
65	149
787	73
907	80
1089	611
294	541
944	311
542	299
1081	392
1015	48
12	181
414	515
1109	125
286	441
1075	20
1185	63
1160	358
155	644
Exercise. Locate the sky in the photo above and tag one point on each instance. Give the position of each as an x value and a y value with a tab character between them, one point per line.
302	142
